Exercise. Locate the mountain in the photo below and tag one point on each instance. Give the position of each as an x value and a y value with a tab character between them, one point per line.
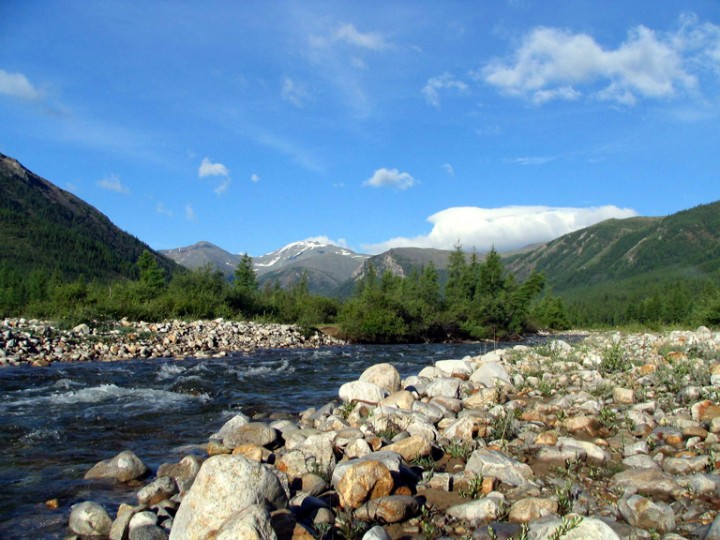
326	266
683	246
43	227
202	254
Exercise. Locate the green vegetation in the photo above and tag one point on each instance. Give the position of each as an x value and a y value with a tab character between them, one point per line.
644	272
60	258
481	300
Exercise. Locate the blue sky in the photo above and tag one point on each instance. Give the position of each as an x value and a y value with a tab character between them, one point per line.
373	124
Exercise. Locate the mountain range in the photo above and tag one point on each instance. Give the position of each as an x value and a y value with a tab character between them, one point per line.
45	227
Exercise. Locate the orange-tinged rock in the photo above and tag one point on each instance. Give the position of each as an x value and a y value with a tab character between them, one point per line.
647	369
548	438
411	448
576	424
364	481
489	483
250	451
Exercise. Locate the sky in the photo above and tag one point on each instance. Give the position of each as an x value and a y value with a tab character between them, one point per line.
254	124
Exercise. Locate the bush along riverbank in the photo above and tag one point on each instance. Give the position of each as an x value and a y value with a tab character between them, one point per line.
616	436
40	343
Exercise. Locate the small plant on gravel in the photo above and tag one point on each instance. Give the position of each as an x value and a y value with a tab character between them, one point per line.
613	359
713	458
603	390
474	488
501	426
349	527
426	463
346	408
458	449
428	527
608	418
565	498
323	531
545	388
316	468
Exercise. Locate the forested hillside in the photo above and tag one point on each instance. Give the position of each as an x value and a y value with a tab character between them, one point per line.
644	270
49	234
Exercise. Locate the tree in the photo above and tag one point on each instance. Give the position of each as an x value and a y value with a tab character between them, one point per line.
244	296
245	277
151	275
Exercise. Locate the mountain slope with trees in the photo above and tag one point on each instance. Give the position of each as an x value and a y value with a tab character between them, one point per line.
644	270
50	236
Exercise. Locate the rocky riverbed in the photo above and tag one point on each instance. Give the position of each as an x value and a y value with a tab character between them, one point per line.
616	436
39	342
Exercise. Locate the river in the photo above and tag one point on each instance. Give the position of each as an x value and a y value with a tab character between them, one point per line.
57	422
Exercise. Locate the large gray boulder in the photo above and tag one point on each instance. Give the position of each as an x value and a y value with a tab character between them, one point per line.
90	519
251	523
484	462
124	467
225	485
587	529
383	375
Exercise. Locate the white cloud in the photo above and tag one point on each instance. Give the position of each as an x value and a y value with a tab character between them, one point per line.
208	168
533	160
254	178
390	177
293	92
327	240
432	88
551	64
190	213
449	169
17	85
368	40
163	210
113	183
222	186
506	228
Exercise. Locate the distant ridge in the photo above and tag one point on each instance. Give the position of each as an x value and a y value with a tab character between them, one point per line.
204	253
43	227
684	246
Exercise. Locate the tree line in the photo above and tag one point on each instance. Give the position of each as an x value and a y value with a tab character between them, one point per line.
480	300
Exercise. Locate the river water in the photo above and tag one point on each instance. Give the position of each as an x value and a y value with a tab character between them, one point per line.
57	422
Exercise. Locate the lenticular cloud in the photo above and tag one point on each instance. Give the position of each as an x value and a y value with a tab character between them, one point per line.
507	228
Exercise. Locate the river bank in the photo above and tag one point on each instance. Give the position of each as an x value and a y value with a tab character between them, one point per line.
40	343
616	436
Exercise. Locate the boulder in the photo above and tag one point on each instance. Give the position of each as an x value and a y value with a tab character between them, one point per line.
362	481
647	481
124	467
443	387
478	511
158	490
485	462
646	514
411	448
390	509
531	508
225	485
490	375
587	529
250	523
90	519
383	375
255	433
362	391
